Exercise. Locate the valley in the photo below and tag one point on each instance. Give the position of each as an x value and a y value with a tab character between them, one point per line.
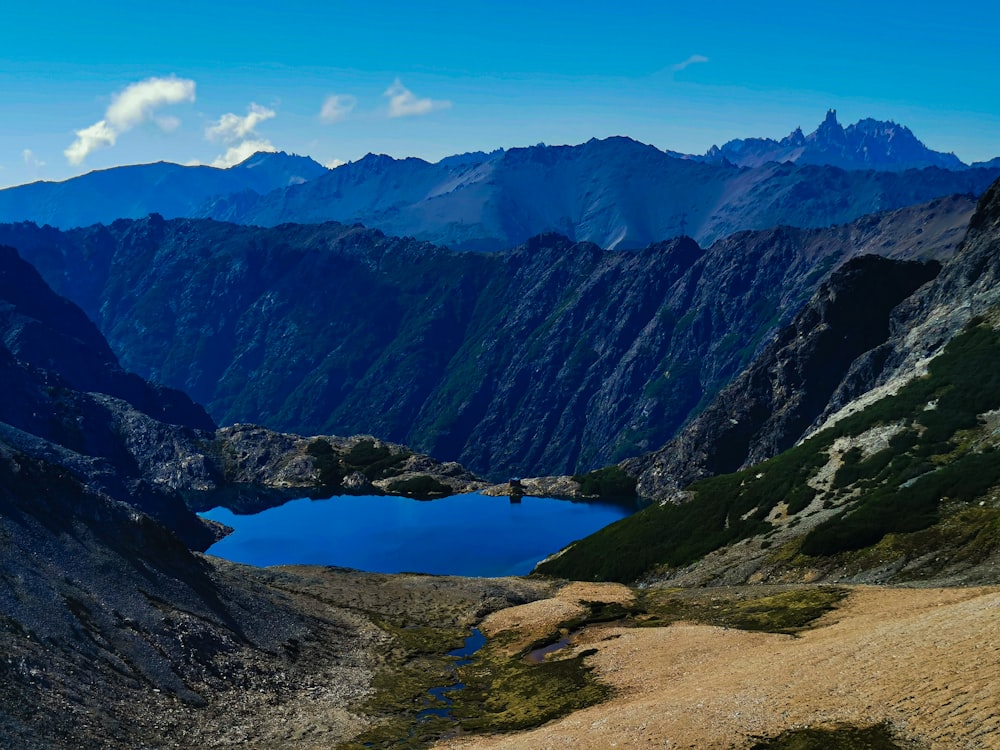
277	326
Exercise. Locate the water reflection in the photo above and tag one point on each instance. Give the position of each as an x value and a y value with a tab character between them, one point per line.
471	534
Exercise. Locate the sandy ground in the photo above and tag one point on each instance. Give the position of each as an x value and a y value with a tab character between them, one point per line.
925	660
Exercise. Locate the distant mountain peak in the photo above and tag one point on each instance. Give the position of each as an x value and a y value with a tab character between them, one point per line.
830	131
867	144
795	139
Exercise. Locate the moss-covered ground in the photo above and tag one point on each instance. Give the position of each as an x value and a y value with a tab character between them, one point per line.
877	737
504	690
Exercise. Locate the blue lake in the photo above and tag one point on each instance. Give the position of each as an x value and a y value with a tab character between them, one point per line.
468	535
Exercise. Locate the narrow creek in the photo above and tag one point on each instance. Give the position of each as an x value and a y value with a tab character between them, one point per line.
438	699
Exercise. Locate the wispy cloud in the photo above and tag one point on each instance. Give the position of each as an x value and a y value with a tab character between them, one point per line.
132	106
31	160
240	133
337	107
404	103
693	60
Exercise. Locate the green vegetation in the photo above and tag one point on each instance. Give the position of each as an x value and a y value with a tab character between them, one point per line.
417	663
877	737
372	460
784	612
611	481
890	508
421	485
504	693
901	488
727	508
896	491
500	692
327	463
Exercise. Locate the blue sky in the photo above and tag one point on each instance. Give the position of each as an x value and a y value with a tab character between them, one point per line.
89	86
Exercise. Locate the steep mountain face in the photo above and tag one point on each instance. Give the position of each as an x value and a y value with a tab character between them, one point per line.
553	358
799	382
769	406
616	193
969	286
50	331
867	144
135	191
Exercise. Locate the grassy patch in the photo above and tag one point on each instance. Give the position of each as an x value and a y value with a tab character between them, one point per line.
877	737
501	692
421	486
783	612
506	693
611	481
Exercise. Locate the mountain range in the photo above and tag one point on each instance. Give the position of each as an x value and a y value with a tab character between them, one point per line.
866	144
617	193
551	358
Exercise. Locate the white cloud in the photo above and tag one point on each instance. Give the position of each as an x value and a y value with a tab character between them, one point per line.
133	105
242	151
31	160
337	107
98	135
334	163
240	134
136	103
404	103
693	60
231	127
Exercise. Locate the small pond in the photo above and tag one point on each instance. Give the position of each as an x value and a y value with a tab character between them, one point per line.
468	535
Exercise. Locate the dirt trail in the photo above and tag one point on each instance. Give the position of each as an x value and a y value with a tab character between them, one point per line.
925	660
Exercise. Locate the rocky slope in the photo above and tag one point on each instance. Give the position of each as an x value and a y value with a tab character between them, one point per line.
114	633
770	405
552	358
777	401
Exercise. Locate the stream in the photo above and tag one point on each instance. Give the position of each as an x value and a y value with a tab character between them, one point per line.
439	695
